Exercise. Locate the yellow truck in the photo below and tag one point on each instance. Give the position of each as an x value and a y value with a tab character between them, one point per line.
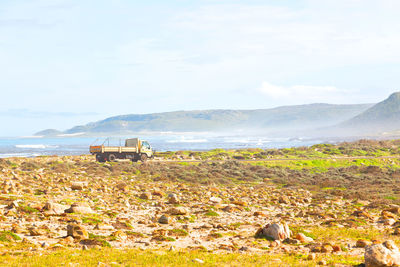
134	149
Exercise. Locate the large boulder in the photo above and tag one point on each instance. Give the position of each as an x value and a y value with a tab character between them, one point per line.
275	231
379	255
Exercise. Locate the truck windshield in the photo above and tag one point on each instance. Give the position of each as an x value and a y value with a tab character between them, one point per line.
146	145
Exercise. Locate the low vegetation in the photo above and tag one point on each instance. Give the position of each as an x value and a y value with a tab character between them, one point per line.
201	208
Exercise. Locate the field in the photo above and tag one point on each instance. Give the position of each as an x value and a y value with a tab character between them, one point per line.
201	208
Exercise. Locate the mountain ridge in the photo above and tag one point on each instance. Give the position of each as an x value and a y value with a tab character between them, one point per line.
382	117
272	121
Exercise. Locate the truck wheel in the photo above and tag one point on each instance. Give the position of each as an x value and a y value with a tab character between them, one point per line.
100	158
112	157
143	157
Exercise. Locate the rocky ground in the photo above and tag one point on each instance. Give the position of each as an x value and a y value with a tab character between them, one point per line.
49	204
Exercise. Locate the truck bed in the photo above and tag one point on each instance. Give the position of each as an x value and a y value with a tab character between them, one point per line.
112	149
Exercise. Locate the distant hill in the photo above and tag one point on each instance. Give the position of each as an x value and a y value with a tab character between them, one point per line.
48	132
285	120
383	117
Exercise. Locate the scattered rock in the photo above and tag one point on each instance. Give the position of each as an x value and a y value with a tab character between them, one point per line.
177	211
164	219
284	200
303	238
145	196
77	231
386	254
120	235
122	186
78	185
38	231
79	208
275	231
216	200
54	208
173	199
198	261
361	243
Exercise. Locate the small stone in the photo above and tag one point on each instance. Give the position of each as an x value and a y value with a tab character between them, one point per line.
54	208
390	244
397	231
77	185
77	231
198	261
326	248
361	243
275	243
17	229
311	257
284	200
122	186
389	221
303	238
34	231
145	196
173	199
103	226
79	208
122	224
13	204
216	200
164	219
291	241
177	211
68	240
120	235
157	193
259	213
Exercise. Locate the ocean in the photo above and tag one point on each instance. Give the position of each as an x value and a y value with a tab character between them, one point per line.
75	145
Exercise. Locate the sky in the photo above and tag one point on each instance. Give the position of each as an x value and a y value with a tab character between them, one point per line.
70	62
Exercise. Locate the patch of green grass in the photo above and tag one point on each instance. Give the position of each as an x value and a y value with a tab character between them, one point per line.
91	220
103	240
7	236
178	232
211	213
136	257
216	235
27	209
331	233
235	225
135	234
333	188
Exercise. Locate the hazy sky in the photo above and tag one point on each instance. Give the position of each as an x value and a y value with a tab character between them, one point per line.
68	62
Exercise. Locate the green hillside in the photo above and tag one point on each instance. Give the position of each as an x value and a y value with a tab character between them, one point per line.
382	117
276	120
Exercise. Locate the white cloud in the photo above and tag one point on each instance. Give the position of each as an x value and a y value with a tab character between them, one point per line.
302	93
